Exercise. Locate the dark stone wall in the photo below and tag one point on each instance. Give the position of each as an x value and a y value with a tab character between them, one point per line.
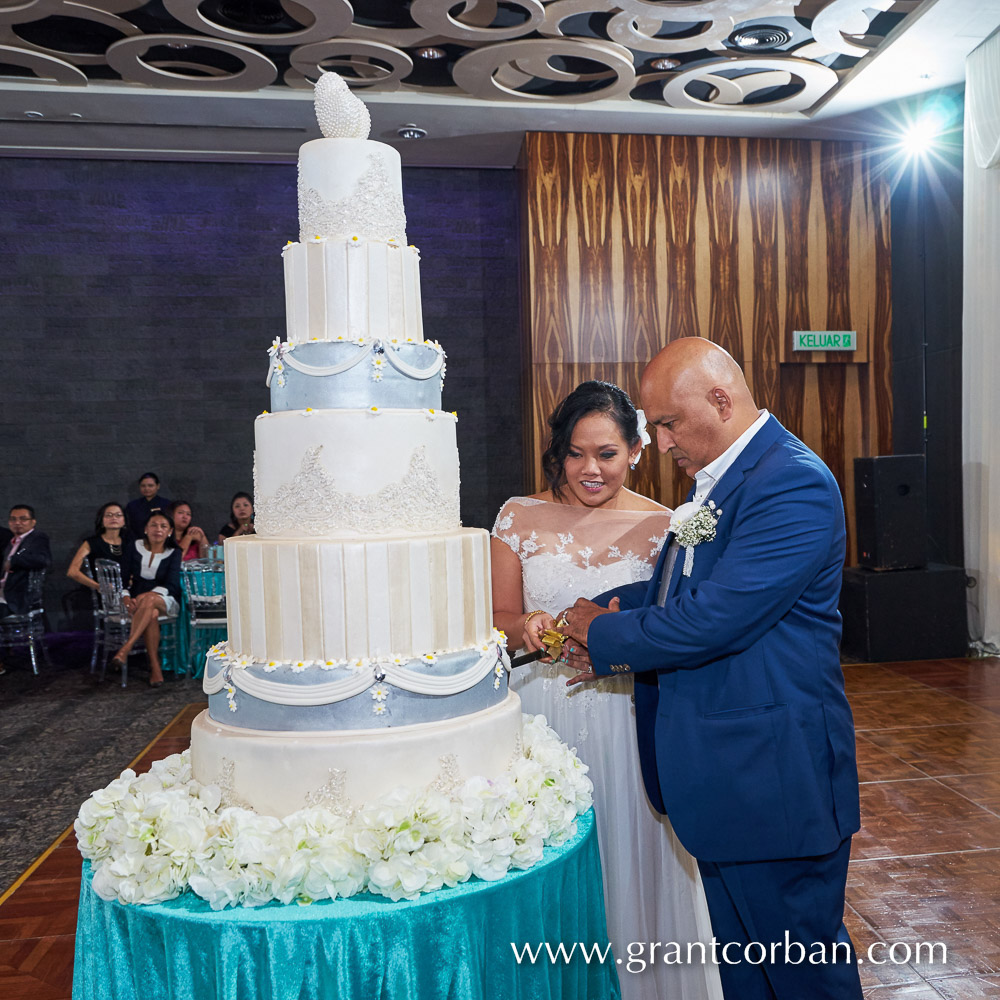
137	301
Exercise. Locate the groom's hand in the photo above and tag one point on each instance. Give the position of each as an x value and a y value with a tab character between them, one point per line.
579	617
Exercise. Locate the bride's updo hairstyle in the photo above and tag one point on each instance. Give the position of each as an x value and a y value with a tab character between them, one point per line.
587	398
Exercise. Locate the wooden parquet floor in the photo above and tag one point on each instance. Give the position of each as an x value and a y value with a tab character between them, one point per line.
925	866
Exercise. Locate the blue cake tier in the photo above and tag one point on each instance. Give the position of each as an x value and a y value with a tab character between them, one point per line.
329	375
374	695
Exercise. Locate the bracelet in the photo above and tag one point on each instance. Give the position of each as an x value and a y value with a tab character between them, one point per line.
530	616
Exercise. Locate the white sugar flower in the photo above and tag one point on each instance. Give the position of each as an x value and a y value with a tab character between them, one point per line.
380	692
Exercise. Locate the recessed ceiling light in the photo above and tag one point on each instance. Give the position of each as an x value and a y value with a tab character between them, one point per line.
431	52
34	114
411	132
759	37
665	63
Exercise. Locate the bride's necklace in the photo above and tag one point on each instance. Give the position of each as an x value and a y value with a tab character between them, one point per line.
116	550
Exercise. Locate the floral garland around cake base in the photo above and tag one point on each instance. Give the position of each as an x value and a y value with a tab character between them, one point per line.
153	836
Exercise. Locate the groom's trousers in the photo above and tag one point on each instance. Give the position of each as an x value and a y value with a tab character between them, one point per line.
787	911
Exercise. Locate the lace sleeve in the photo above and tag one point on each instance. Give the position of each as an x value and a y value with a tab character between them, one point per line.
507	527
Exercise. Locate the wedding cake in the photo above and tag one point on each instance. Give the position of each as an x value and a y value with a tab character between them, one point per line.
361	649
361	695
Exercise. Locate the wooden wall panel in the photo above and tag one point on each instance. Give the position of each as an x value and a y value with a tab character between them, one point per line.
632	241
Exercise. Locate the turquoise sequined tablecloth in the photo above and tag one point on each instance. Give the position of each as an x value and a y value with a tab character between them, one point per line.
454	943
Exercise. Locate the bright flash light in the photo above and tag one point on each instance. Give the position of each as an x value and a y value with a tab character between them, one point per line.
921	135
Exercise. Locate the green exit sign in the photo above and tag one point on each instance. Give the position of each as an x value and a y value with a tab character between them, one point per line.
824	340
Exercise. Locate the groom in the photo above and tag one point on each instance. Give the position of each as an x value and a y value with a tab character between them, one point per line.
745	735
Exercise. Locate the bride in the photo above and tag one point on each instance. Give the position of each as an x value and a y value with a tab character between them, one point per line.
584	535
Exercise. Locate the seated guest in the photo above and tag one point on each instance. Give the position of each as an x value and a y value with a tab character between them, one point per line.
191	540
107	542
151	573
138	510
22	549
240	517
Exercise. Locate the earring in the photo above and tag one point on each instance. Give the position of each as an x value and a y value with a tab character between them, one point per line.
631	465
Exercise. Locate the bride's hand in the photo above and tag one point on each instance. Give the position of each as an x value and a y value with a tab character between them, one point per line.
531	638
577	658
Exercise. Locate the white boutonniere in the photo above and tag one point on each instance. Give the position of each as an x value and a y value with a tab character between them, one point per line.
693	523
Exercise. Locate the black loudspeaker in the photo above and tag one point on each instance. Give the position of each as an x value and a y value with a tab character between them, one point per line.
912	614
890	502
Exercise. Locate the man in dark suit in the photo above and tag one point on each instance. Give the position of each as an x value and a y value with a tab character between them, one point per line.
745	735
138	511
24	548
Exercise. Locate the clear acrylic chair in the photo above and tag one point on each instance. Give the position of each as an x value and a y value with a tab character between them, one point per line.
117	623
96	611
205	595
28	630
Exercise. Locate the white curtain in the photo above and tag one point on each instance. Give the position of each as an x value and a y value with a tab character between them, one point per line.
981	339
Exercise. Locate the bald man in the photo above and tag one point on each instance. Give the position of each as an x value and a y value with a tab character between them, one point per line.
745	735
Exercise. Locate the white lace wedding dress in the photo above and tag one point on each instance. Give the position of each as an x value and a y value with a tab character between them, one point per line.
652	888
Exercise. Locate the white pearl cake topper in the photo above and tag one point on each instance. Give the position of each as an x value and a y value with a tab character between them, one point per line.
340	114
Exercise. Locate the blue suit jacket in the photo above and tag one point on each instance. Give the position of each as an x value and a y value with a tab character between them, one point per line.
745	735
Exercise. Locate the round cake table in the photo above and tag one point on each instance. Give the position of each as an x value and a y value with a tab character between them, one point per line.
454	943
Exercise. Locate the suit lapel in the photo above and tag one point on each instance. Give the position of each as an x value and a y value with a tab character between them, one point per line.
746	460
653	588
731	479
661	566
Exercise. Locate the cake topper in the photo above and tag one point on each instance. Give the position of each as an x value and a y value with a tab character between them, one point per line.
340	114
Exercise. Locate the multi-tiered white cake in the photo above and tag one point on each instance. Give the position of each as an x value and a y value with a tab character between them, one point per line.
361	647
359	734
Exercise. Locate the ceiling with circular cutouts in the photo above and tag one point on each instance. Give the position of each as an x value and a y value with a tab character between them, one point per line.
778	55
763	59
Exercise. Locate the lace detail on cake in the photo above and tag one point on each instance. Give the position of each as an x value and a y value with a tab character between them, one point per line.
333	794
312	504
374	210
227	787
518	751
449	778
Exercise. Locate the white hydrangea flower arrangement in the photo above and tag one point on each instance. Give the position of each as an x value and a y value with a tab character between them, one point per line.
152	836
